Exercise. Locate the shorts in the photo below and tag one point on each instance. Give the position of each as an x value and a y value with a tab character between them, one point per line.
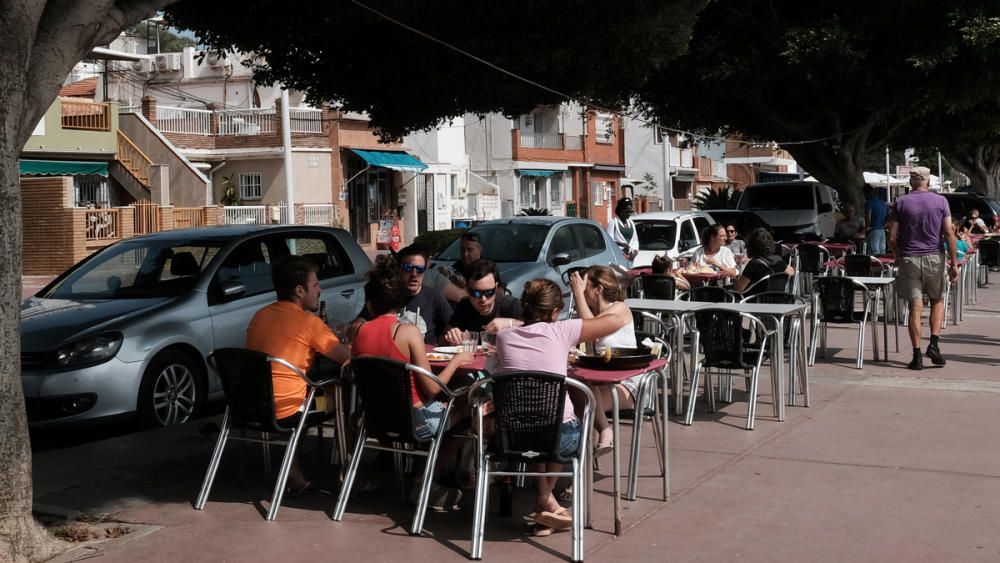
427	420
569	438
921	274
632	386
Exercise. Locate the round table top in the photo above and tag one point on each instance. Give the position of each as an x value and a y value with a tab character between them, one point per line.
702	277
600	376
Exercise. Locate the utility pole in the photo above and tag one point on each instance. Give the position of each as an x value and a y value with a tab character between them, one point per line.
286	141
888	177
668	180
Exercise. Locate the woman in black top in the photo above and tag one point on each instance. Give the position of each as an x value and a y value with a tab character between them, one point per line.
762	260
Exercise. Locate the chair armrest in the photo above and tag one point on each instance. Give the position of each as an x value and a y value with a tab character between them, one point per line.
300	373
444	388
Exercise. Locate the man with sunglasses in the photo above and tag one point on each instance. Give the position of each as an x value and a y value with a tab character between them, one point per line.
426	307
450	278
486	306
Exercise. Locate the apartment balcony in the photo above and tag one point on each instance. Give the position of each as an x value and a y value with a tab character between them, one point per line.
75	127
548	147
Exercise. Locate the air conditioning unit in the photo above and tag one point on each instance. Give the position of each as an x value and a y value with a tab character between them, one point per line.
145	65
168	62
215	60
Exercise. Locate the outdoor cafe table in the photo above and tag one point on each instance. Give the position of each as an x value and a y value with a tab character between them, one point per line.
596	377
879	287
676	310
702	278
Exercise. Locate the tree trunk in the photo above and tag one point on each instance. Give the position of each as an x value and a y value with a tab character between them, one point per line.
43	40
981	164
838	166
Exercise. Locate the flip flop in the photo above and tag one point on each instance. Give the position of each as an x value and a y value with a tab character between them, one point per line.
566	494
604	449
530	517
557	520
541	531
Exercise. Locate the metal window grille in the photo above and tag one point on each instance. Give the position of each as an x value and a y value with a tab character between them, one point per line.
250	185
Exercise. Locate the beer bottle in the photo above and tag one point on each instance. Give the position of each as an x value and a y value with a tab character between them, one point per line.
322	311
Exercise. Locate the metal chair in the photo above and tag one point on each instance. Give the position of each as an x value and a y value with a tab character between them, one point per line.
863	265
793	340
989	257
657	286
835	303
774	282
721	334
707	294
385	387
528	413
810	261
647	395
248	386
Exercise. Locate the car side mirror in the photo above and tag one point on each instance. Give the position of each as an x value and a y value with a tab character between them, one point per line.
560	259
825	207
233	289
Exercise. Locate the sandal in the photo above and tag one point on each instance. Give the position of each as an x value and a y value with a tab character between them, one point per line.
566	494
558	520
541	531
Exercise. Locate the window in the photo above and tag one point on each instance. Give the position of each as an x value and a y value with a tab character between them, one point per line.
656	235
528	192
688	238
657	135
597	191
604	128
591	240
504	242
700	224
250	185
555	190
563	241
454	185
325	251
248	264
91	191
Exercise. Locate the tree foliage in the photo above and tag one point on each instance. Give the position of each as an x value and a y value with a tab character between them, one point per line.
725	198
343	53
827	80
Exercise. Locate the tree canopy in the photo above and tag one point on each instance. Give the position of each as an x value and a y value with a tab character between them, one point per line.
827	80
597	52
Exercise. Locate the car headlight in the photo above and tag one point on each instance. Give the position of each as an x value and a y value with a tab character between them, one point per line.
89	351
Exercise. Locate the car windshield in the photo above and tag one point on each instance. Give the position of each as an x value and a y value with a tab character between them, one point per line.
139	269
771	198
656	235
504	242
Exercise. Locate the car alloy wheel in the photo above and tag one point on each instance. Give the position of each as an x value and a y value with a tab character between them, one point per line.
171	391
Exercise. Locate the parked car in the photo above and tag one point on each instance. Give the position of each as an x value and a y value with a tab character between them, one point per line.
126	330
669	233
744	221
526	248
963	202
793	209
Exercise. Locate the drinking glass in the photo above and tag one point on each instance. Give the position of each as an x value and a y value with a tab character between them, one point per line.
470	341
488	340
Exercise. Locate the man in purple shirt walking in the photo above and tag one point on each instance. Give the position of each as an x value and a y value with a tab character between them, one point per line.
918	223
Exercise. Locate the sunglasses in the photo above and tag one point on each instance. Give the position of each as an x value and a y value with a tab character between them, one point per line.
730	231
410	268
480	293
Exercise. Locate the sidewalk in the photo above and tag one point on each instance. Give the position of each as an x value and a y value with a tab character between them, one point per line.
887	464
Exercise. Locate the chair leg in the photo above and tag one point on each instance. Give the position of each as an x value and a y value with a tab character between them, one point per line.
637	424
752	399
286	463
213	463
577	511
479	514
861	344
710	389
342	430
689	415
352	471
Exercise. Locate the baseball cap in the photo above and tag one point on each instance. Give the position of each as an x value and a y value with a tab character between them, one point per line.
921	171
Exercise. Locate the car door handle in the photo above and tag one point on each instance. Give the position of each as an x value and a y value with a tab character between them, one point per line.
347	292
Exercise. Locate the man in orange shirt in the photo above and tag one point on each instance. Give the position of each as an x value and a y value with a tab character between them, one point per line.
289	329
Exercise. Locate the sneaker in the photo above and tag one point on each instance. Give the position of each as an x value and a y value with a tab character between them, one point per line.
440	499
934	353
917	363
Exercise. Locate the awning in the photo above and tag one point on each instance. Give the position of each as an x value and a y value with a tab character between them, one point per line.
62	168
392	160
609	168
480	185
539	173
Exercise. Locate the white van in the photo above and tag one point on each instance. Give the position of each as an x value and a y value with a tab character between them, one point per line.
668	233
793	209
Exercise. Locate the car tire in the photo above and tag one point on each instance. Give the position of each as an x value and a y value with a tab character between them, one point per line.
172	390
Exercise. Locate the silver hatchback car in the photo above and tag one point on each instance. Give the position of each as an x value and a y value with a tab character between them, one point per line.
126	330
526	248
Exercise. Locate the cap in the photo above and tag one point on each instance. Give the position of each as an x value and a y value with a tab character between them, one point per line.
922	172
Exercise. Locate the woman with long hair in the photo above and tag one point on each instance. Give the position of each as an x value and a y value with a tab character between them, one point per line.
763	261
543	344
714	253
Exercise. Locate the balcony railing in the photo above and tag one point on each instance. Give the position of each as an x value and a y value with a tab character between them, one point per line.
574	142
89	116
306	120
184	120
247	121
245	215
541	140
102	224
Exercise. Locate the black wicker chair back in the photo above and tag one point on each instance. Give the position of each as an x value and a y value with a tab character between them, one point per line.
721	336
708	294
837	297
384	386
989	252
246	382
529	410
862	265
658	286
812	258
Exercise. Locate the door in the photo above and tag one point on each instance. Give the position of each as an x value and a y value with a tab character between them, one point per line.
342	287
249	264
422	190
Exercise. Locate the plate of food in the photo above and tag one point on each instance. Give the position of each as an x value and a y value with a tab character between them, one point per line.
439	357
617	358
448	349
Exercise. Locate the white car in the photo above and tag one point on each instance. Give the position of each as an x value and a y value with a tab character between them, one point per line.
669	233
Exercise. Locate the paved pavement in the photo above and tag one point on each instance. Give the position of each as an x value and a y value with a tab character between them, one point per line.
887	464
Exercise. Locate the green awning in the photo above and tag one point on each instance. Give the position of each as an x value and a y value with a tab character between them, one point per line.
540	173
392	160
62	168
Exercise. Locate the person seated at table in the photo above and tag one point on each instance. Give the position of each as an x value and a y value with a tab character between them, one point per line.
450	278
543	344
714	253
484	308
976	225
664	266
763	261
423	306
598	293
386	336
289	329
850	229
736	245
963	238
